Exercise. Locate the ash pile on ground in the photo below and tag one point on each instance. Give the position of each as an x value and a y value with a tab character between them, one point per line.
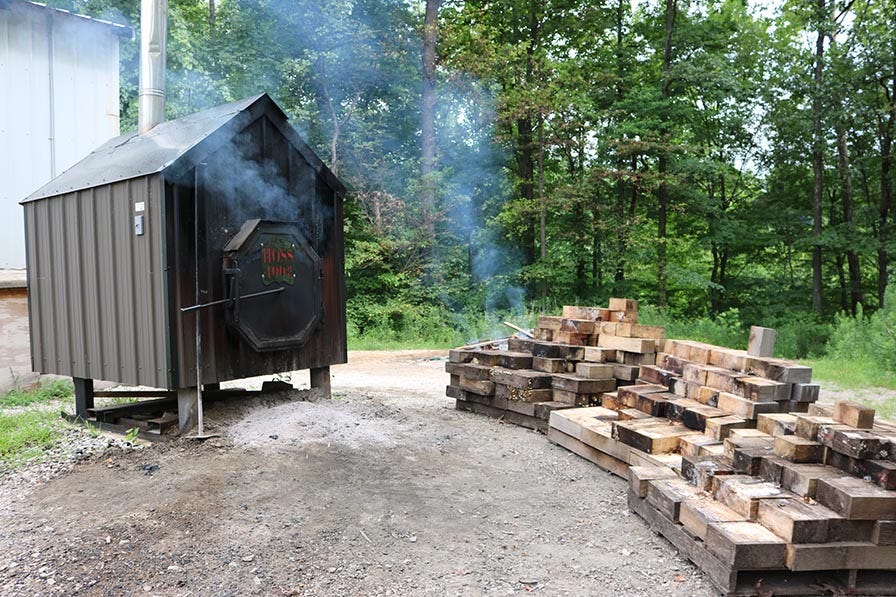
383	490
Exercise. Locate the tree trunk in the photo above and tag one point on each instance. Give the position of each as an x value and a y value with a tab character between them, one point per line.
817	160
427	125
621	222
662	166
852	256
886	186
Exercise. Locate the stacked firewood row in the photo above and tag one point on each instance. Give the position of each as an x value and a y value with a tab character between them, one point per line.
727	453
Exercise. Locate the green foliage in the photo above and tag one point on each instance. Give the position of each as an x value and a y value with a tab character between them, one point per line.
25	435
45	392
868	339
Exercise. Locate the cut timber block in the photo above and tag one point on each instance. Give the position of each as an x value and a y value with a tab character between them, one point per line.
515	360
845	555
884	532
771	468
625	372
696	373
761	342
488	358
518	406
576	398
700	471
639	477
802	479
743	493
549	323
652	404
469	370
515	344
795	521
807	426
804	392
666	495
671	362
708	396
630	394
742	407
748	460
695	417
636	358
853	442
633	330
638	345
594	370
633	414
797	449
459	355
611	400
576	312
483	388
594	354
650	436
520	395
779	370
719	428
853	414
628	308
688	350
601	459
820	410
572	338
699	445
608	328
856	499
776	423
523	379
696	513
543	410
759	389
582	385
656	375
728	358
549	365
881	472
577	326
571	421
746	545
555	350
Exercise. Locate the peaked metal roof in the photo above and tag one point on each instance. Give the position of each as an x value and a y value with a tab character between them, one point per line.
174	146
117	28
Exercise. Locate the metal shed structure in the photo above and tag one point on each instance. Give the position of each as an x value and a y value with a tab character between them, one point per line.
59	101
189	213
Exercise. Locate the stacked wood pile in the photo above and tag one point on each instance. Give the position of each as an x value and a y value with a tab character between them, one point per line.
727	453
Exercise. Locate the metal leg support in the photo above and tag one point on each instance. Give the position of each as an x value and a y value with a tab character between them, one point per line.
320	378
83	396
187	408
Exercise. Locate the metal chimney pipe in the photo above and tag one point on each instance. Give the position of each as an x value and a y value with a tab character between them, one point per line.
153	36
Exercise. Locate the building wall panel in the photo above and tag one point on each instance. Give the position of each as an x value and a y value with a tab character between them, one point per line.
96	297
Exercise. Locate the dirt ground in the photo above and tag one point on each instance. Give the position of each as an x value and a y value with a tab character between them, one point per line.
383	490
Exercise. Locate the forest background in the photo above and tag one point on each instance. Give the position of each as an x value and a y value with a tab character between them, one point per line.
727	162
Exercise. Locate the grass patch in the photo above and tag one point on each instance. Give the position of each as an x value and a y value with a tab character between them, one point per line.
26	434
851	374
46	392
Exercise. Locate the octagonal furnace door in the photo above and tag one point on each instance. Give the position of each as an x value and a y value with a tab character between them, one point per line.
266	256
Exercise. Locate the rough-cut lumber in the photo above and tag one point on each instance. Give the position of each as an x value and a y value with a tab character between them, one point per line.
598	355
543	410
745	545
633	330
576	312
696	352
649	436
699	445
581	385
631	393
666	496
853	414
515	344
671	362
700	471
515	360
638	345
625	372
798	449
656	375
850	555
804	392
742	407
779	370
880	472
795	521
743	493
856	499
601	459
594	370
469	370
523	379
652	404
761	342
577	326
719	428
695	417
696	512
853	442
548	322
884	532
555	350
639	477
483	388
549	365
576	398
523	395
628	309
776	423
802	479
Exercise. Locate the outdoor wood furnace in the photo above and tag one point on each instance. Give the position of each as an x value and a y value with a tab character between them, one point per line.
223	222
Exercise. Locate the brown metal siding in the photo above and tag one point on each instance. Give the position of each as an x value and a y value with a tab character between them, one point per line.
95	287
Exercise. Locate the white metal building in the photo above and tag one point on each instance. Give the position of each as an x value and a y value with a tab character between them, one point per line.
58	102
